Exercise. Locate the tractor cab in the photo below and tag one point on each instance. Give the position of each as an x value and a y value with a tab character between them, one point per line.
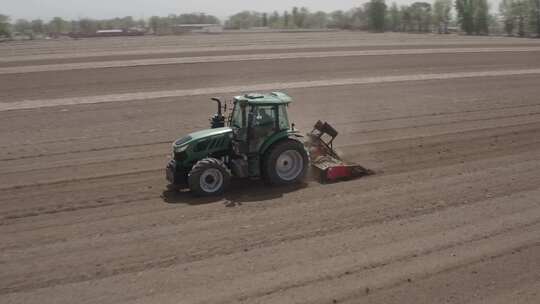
257	122
256	118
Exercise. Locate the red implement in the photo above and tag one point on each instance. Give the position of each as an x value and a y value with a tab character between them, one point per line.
337	172
327	164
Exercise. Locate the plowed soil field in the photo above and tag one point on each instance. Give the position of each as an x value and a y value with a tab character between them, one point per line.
450	125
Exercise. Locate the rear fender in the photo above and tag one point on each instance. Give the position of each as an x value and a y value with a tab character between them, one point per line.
286	134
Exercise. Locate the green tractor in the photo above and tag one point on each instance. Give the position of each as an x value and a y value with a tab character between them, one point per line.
257	140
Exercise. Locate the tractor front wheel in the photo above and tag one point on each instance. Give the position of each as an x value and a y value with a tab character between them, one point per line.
209	177
286	163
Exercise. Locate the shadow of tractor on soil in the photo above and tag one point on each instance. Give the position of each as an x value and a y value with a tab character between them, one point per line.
239	192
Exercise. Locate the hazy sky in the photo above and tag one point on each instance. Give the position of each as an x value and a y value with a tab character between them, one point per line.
74	9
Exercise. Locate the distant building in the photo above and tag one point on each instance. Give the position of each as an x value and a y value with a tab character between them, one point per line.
118	32
197	28
453	29
109	33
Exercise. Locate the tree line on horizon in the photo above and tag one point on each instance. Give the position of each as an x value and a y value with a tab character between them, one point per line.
516	17
372	16
58	25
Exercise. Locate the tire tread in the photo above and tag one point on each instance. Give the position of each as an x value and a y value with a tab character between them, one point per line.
270	157
200	167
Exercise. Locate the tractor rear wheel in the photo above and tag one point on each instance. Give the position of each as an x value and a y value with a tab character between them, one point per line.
285	163
209	177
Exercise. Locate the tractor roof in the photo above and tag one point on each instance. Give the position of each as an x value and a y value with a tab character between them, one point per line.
265	99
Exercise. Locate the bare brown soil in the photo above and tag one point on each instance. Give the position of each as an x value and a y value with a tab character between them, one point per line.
452	215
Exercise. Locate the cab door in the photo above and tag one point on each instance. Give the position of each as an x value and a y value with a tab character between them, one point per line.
263	123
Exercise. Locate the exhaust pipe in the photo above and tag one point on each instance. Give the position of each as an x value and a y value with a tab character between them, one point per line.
218	120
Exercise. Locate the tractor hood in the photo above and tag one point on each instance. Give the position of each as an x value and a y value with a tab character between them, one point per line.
199	135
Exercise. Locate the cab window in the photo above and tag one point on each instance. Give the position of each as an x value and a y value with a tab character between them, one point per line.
236	118
264	116
283	118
